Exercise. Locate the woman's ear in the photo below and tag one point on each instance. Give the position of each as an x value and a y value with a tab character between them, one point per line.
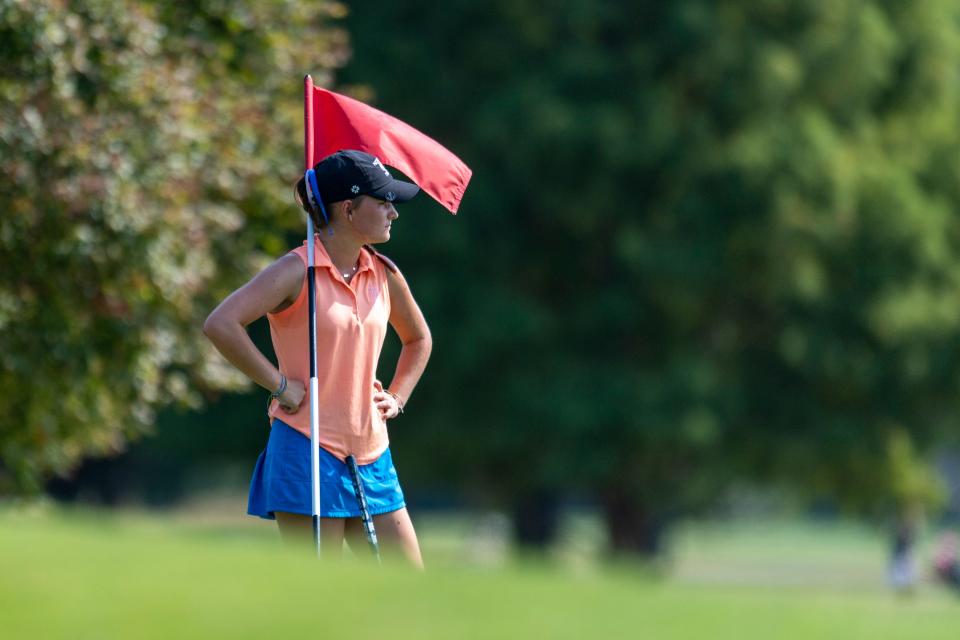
344	209
349	206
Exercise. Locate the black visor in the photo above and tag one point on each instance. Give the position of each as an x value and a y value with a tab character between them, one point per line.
395	191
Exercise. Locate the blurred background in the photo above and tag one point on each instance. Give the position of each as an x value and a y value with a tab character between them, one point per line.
700	307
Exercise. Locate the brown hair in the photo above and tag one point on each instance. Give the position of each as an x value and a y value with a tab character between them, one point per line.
300	195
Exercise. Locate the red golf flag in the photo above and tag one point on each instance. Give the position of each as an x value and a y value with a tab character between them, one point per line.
335	122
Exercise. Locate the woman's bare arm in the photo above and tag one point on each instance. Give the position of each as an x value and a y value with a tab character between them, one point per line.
408	321
271	290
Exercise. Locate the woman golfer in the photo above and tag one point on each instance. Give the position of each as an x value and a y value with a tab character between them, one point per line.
358	292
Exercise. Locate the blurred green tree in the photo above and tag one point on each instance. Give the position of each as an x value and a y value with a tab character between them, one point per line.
146	153
704	240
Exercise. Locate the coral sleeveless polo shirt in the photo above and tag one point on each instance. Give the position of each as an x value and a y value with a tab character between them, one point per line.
351	327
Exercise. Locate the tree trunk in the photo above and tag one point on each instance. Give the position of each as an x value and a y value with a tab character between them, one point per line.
631	527
535	519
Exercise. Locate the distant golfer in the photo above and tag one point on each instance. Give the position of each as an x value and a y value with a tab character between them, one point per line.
358	292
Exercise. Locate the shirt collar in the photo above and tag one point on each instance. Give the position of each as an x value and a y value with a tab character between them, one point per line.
322	258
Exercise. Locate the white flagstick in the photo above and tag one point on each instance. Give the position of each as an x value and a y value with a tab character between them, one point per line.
314	408
312	318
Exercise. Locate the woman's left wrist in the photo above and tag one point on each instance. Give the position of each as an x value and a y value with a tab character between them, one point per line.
398	400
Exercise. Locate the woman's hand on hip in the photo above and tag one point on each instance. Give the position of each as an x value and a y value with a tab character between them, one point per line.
386	403
292	397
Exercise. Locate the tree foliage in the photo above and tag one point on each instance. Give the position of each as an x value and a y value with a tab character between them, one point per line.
704	240
146	151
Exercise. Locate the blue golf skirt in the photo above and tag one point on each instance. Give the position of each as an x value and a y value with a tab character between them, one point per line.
281	480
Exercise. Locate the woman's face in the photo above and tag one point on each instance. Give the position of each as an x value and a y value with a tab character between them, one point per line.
372	218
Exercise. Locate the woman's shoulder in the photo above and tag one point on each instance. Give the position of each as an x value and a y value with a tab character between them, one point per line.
299	252
286	275
287	271
387	262
292	261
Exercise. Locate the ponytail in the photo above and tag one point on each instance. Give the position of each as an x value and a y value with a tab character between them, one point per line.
304	201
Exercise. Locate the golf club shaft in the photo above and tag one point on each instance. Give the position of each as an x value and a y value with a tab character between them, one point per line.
368	527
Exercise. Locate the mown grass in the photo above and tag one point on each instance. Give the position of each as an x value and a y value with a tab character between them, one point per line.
101	576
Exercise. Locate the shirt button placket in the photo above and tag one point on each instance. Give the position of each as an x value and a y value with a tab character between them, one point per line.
356	304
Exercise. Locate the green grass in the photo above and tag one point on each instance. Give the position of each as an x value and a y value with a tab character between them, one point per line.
89	575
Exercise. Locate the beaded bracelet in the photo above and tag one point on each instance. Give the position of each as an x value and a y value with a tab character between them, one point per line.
283	387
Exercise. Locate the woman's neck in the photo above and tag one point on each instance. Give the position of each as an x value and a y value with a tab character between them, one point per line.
342	249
